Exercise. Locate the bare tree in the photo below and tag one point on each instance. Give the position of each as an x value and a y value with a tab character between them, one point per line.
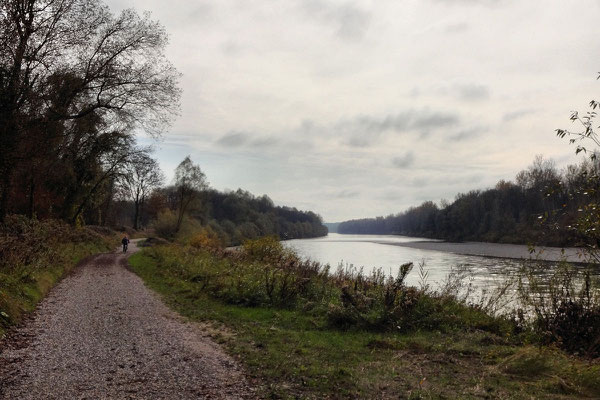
109	166
189	182
67	60
142	174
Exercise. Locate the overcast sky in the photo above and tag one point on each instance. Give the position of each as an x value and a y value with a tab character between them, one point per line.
363	108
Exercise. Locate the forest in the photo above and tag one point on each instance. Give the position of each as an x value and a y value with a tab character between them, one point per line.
543	206
78	84
230	216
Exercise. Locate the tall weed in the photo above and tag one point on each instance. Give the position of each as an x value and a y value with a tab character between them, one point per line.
264	273
563	307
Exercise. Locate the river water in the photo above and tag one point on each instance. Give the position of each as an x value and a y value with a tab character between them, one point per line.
372	251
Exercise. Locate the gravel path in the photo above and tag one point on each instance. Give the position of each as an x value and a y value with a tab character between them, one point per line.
101	334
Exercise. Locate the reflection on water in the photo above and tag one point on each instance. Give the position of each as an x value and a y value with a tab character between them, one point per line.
368	252
364	251
483	274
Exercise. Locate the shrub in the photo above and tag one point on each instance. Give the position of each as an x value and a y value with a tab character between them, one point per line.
565	308
266	274
266	248
25	241
529	362
206	239
165	224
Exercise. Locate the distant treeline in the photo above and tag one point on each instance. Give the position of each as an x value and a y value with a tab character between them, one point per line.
540	207
235	216
240	214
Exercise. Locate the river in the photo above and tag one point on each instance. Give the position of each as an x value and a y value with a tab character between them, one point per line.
389	252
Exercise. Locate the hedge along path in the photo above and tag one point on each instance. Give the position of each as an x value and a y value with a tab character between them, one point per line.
101	333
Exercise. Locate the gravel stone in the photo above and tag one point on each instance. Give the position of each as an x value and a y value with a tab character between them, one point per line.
101	334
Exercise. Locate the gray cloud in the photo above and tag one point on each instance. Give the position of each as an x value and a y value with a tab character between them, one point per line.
202	12
362	141
469	92
434	121
231	48
263	142
514	115
256	143
350	21
473	92
347	194
466	134
418	182
404	161
459	27
472	2
374	78
233	139
353	22
399	123
392	196
365	130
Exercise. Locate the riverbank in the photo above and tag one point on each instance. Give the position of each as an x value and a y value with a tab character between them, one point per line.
301	333
500	250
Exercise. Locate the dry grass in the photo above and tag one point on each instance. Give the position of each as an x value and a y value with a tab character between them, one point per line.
34	255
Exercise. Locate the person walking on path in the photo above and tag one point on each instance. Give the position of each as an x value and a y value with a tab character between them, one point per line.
125	242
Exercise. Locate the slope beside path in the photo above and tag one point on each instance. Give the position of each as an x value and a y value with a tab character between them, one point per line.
101	334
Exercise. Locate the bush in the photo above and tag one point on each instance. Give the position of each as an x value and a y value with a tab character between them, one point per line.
206	239
565	308
265	273
25	241
152	241
165	224
393	307
267	249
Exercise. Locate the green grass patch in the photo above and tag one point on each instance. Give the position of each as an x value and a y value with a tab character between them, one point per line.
291	350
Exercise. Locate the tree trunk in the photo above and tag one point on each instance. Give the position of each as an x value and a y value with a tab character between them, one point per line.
108	204
136	217
181	210
5	185
8	139
179	219
31	209
9	104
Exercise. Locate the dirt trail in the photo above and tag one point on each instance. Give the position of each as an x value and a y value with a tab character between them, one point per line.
101	334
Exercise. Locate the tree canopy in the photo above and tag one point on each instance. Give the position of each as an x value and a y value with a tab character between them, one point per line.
189	182
75	81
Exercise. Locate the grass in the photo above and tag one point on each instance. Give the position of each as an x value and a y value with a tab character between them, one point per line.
34	257
295	352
